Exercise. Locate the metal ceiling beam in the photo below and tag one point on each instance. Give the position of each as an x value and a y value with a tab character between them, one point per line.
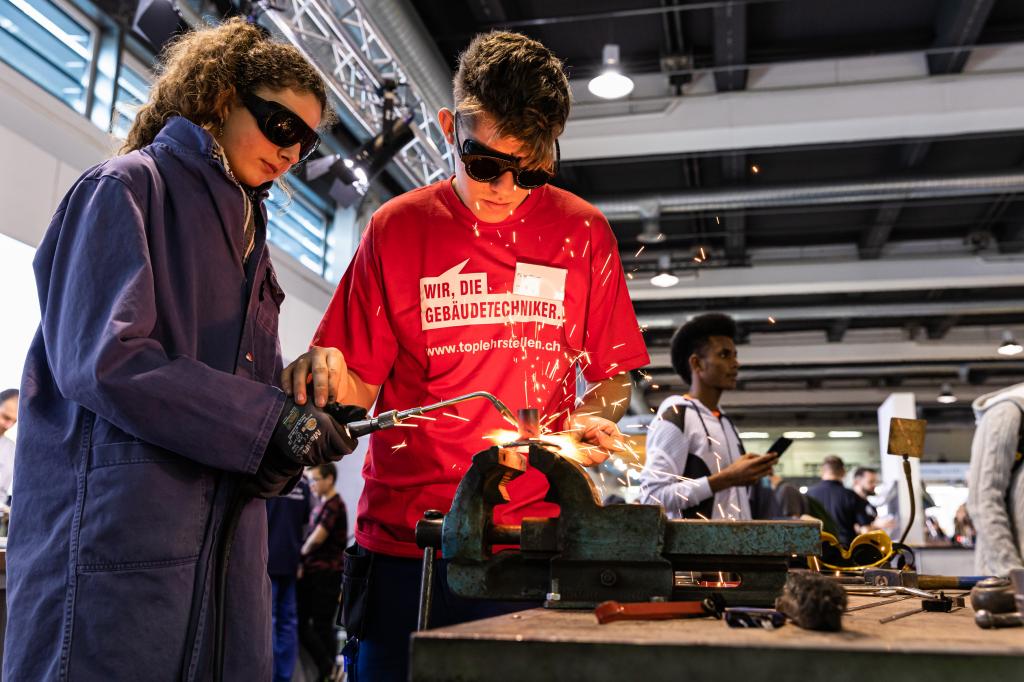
837	330
957	22
825	397
943	371
734	170
1011	238
948	312
817	277
730	45
341	40
853	353
876	236
627	13
938	329
823	194
912	154
806	115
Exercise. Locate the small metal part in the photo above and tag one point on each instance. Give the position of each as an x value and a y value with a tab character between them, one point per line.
528	419
888	590
989	620
941	604
747	617
553	595
902	597
427	577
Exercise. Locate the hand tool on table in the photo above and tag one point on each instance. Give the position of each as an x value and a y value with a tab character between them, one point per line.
988	620
750	617
886	591
891	577
940	604
994	595
611	611
902	597
987	595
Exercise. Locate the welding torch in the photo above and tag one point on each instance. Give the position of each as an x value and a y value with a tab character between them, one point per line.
391	418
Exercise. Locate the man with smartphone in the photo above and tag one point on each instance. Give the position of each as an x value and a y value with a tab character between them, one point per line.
696	465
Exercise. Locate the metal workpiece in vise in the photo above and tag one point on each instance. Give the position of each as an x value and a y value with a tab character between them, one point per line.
593	553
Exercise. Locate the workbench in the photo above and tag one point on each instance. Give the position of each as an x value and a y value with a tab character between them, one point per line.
546	644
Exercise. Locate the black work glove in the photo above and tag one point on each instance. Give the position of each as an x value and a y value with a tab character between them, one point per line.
309	435
276	476
346	414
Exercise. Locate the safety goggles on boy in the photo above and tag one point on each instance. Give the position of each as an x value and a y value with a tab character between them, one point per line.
281	125
486	165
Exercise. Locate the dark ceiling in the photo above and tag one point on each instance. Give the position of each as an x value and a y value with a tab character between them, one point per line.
726	38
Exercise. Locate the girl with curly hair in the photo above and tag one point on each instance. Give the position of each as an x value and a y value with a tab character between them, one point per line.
152	424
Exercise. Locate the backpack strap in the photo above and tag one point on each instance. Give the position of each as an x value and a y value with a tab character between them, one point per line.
695	466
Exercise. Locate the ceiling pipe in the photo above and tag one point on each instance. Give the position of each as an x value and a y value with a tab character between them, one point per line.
896	189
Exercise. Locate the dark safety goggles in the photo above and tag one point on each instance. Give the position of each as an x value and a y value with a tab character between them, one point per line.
281	125
486	165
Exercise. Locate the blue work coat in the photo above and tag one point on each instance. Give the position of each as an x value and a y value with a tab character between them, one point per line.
148	395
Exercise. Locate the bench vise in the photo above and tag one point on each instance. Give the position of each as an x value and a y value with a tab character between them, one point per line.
592	553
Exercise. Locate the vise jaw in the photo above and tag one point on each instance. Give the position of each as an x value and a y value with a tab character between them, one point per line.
593	553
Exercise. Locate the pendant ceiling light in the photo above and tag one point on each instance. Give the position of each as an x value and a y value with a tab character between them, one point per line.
611	84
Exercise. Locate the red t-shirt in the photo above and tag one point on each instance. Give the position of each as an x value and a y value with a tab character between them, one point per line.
436	304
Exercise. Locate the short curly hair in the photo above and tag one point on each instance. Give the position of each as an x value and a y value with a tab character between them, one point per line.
519	83
202	71
694	336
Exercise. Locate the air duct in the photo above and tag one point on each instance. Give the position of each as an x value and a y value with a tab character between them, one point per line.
898	189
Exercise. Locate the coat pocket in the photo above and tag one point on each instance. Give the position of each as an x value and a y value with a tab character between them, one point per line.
131	624
144	507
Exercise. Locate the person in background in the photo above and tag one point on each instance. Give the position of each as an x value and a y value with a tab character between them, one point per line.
995	496
790	502
8	418
323	558
964	533
286	527
847	508
865	484
696	465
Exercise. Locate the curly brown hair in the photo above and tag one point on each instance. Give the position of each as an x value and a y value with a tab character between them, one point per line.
204	71
519	83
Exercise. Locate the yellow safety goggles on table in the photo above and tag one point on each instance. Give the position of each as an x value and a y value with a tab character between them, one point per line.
867	550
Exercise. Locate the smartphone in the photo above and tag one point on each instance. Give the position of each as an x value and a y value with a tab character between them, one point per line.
780	445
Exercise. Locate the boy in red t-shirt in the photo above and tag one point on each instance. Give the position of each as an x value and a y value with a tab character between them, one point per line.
490	280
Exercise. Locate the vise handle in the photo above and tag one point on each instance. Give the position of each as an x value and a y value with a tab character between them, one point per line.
609	611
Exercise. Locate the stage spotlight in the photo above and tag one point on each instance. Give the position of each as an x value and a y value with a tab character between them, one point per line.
353	174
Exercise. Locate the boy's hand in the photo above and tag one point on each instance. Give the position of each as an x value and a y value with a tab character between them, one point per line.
324	368
600	433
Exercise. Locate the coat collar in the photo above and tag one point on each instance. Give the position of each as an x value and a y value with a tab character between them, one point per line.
185	137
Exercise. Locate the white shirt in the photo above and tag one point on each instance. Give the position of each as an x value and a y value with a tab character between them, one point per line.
6	467
711	438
